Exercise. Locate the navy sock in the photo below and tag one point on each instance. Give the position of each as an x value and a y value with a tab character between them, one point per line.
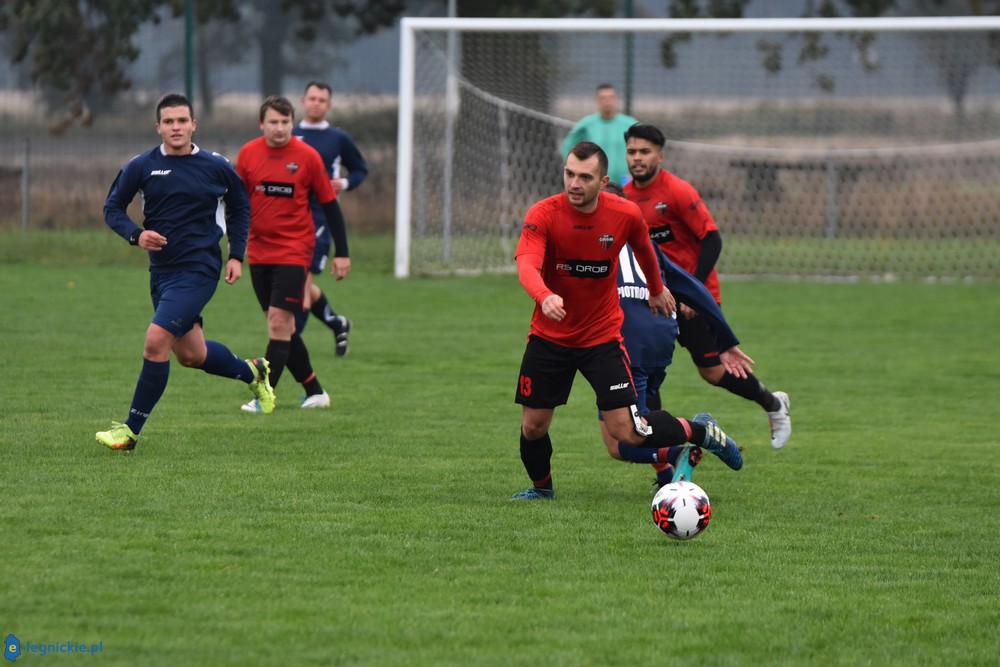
639	454
148	390
322	310
536	455
220	361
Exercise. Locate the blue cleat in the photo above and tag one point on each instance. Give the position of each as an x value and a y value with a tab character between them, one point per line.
689	457
717	442
534	493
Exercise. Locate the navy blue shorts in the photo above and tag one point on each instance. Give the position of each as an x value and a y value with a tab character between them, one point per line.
178	299
321	254
548	370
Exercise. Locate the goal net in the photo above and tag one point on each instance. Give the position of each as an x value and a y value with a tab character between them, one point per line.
822	147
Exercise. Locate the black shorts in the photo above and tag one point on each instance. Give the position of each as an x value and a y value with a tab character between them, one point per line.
279	285
548	370
697	338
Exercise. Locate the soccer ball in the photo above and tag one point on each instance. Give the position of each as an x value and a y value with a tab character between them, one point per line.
681	510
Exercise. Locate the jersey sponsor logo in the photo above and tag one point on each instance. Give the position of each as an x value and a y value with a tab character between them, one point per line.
583	226
661	208
583	268
271	189
664	234
616	387
633	292
159	172
292	167
606	241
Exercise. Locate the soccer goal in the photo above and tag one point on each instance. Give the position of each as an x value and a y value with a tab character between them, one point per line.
822	147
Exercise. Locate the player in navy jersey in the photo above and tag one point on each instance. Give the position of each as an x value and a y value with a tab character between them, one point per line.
339	152
650	341
183	189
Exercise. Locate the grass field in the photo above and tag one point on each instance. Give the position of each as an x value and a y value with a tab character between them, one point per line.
379	532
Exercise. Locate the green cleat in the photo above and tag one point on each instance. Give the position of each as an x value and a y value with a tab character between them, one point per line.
119	437
261	386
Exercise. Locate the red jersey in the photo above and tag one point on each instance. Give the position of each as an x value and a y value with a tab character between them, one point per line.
578	254
678	220
279	181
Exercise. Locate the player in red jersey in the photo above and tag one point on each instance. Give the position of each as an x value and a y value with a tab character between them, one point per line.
280	172
679	222
567	261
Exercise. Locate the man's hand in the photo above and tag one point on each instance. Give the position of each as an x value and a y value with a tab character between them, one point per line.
234	269
687	312
662	303
150	240
736	363
552	307
340	267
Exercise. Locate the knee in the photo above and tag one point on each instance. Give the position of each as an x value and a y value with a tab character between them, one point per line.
533	430
185	358
713	374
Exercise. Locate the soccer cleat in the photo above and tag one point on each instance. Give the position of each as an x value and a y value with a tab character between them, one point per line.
120	437
781	421
717	442
261	387
534	493
341	338
689	457
316	400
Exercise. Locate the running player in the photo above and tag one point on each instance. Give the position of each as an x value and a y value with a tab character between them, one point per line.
567	258
280	173
339	152
182	189
681	225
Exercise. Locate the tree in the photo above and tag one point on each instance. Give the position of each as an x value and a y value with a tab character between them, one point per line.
955	56
78	50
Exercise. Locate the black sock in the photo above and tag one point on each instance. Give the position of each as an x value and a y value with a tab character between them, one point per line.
536	455
301	367
277	356
667	430
751	389
322	310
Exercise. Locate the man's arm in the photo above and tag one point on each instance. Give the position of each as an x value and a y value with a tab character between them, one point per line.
529	273
121	194
351	157
237	213
708	255
341	264
660	298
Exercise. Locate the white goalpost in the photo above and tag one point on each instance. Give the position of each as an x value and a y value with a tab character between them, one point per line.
844	147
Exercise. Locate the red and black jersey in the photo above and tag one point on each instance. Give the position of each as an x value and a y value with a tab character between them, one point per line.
279	181
678	220
578	255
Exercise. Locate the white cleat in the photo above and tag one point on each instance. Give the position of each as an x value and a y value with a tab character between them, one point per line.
781	421
317	401
252	406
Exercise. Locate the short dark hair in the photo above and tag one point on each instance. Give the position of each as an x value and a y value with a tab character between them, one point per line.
614	189
279	104
319	84
605	86
650	133
173	100
587	149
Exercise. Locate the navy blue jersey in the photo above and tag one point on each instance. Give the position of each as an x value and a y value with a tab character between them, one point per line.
182	198
337	150
649	339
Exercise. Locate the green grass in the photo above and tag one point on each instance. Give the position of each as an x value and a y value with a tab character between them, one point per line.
379	532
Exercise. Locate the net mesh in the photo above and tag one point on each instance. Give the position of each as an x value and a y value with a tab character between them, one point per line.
879	158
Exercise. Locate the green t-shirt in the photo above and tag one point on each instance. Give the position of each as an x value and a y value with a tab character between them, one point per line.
609	135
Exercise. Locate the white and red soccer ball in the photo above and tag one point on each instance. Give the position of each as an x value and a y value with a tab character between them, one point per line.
681	510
